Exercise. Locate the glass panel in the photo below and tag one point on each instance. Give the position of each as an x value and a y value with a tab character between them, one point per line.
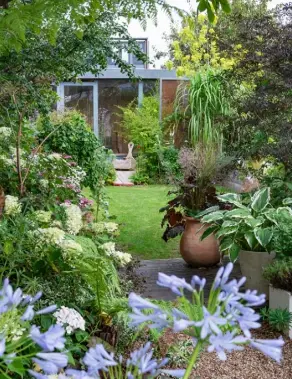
81	99
136	61
150	87
112	94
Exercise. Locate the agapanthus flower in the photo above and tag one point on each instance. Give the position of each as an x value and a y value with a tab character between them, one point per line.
211	322
52	339
271	348
175	284
97	358
155	320
51	363
225	342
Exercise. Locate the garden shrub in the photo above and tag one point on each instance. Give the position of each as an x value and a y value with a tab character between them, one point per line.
70	134
279	274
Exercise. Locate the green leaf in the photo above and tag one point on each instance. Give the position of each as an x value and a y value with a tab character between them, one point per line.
226	231
234	251
287	201
263	236
254	222
215	216
226	243
225	6
8	247
238	213
207	211
250	239
17	366
209	231
228	223
231	198
71	360
260	199
210	13
202	5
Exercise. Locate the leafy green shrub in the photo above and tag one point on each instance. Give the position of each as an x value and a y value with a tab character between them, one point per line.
250	225
140	178
282	239
279	319
279	274
70	134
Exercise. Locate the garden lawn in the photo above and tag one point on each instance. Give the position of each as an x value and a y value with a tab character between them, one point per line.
137	212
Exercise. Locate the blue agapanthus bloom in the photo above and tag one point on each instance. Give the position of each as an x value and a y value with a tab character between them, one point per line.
214	324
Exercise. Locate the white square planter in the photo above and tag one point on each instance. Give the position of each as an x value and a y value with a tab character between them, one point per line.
281	299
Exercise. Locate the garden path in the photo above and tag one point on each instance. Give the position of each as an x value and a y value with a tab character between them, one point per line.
149	270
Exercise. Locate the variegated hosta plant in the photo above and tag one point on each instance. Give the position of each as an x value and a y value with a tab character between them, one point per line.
249	225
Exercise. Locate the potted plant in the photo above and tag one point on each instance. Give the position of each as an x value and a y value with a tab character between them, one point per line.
279	275
246	231
194	193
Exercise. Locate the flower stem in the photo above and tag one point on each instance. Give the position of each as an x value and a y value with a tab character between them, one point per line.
193	359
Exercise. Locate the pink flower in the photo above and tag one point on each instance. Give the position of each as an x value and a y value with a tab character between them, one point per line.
67	156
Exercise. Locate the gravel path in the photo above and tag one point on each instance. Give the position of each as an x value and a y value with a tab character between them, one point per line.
246	364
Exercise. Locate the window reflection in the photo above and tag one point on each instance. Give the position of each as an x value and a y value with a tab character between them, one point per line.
81	99
111	95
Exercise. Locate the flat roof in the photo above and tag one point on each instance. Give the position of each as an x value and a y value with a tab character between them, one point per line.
143	73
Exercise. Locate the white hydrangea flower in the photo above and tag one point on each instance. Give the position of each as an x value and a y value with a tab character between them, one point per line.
109	248
43	216
44	183
70	249
7	161
5	132
122	258
49	236
12	205
105	227
70	319
74	219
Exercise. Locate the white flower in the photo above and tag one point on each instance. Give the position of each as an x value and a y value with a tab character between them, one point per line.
70	249
7	161
5	132
74	219
12	205
123	258
44	183
55	156
70	319
109	248
105	227
43	216
49	236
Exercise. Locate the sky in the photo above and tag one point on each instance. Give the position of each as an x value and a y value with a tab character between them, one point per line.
155	33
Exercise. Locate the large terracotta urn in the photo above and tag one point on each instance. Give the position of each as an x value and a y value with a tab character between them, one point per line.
195	252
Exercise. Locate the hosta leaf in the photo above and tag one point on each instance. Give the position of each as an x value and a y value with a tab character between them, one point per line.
250	239
234	251
209	231
254	222
226	243
231	198
238	213
207	211
263	236
228	223
261	199
287	201
215	216
226	231
271	214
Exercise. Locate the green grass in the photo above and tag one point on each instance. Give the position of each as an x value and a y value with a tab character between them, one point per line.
137	212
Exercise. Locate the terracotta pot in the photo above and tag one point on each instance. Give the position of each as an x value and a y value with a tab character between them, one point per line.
251	265
195	252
